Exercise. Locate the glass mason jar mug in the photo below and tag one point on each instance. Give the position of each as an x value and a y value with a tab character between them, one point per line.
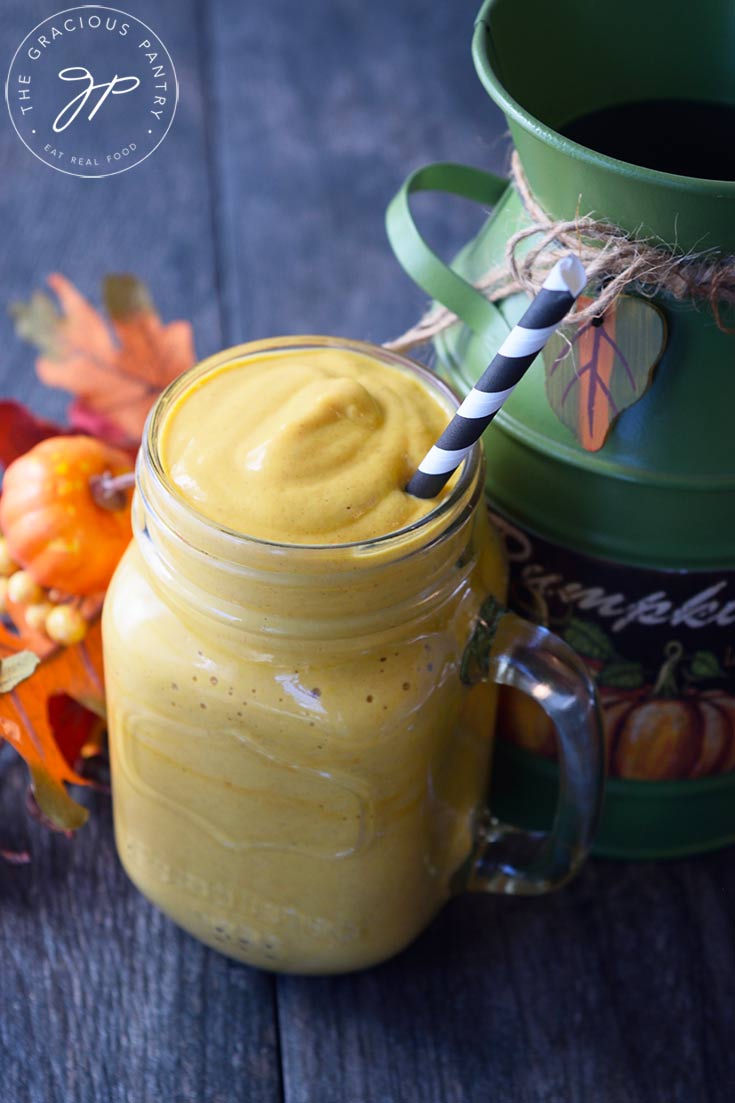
301	735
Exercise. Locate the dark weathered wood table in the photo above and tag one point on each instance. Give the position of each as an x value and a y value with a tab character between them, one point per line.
262	214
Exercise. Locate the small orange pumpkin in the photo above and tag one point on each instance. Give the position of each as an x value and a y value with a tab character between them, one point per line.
54	527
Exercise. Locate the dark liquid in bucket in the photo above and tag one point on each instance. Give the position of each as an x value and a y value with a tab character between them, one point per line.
680	136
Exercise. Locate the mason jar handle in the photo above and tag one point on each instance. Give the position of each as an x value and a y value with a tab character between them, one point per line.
431	274
506	649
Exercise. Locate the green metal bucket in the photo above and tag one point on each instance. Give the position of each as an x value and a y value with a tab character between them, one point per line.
653	511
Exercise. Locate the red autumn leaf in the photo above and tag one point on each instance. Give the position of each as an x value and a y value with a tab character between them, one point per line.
116	370
26	720
77	730
84	420
20	430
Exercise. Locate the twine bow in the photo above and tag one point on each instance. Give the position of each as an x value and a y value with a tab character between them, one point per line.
614	259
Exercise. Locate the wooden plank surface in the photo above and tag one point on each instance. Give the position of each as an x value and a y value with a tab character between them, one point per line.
262	213
321	110
617	990
101	998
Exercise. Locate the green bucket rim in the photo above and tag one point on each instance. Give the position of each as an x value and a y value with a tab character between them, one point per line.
510	107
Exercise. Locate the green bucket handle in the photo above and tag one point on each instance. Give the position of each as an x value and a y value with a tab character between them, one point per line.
431	274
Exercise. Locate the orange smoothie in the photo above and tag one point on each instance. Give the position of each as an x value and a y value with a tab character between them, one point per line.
296	763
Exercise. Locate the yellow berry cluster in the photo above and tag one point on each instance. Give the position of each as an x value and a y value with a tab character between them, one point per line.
44	610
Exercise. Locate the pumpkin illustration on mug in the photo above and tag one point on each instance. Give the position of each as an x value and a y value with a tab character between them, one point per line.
665	735
659	732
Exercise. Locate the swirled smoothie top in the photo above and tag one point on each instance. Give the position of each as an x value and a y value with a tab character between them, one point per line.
311	446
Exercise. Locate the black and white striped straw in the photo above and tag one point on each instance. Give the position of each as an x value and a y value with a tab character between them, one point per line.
520	348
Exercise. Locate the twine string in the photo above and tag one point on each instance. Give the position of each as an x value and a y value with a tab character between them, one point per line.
614	259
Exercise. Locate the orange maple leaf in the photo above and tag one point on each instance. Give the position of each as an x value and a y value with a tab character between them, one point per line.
116	371
25	722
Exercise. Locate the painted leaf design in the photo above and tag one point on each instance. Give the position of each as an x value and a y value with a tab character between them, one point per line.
588	639
595	372
476	656
27	720
622	674
705	664
116	370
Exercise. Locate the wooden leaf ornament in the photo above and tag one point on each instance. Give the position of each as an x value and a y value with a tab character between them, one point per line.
116	370
598	370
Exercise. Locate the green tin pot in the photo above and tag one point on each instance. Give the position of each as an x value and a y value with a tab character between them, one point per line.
653	511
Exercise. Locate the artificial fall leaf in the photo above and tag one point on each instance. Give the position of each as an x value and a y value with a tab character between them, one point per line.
15	668
35	639
115	371
82	419
20	430
26	716
602	368
80	730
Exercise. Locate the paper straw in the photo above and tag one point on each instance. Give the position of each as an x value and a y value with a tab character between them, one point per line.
517	352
